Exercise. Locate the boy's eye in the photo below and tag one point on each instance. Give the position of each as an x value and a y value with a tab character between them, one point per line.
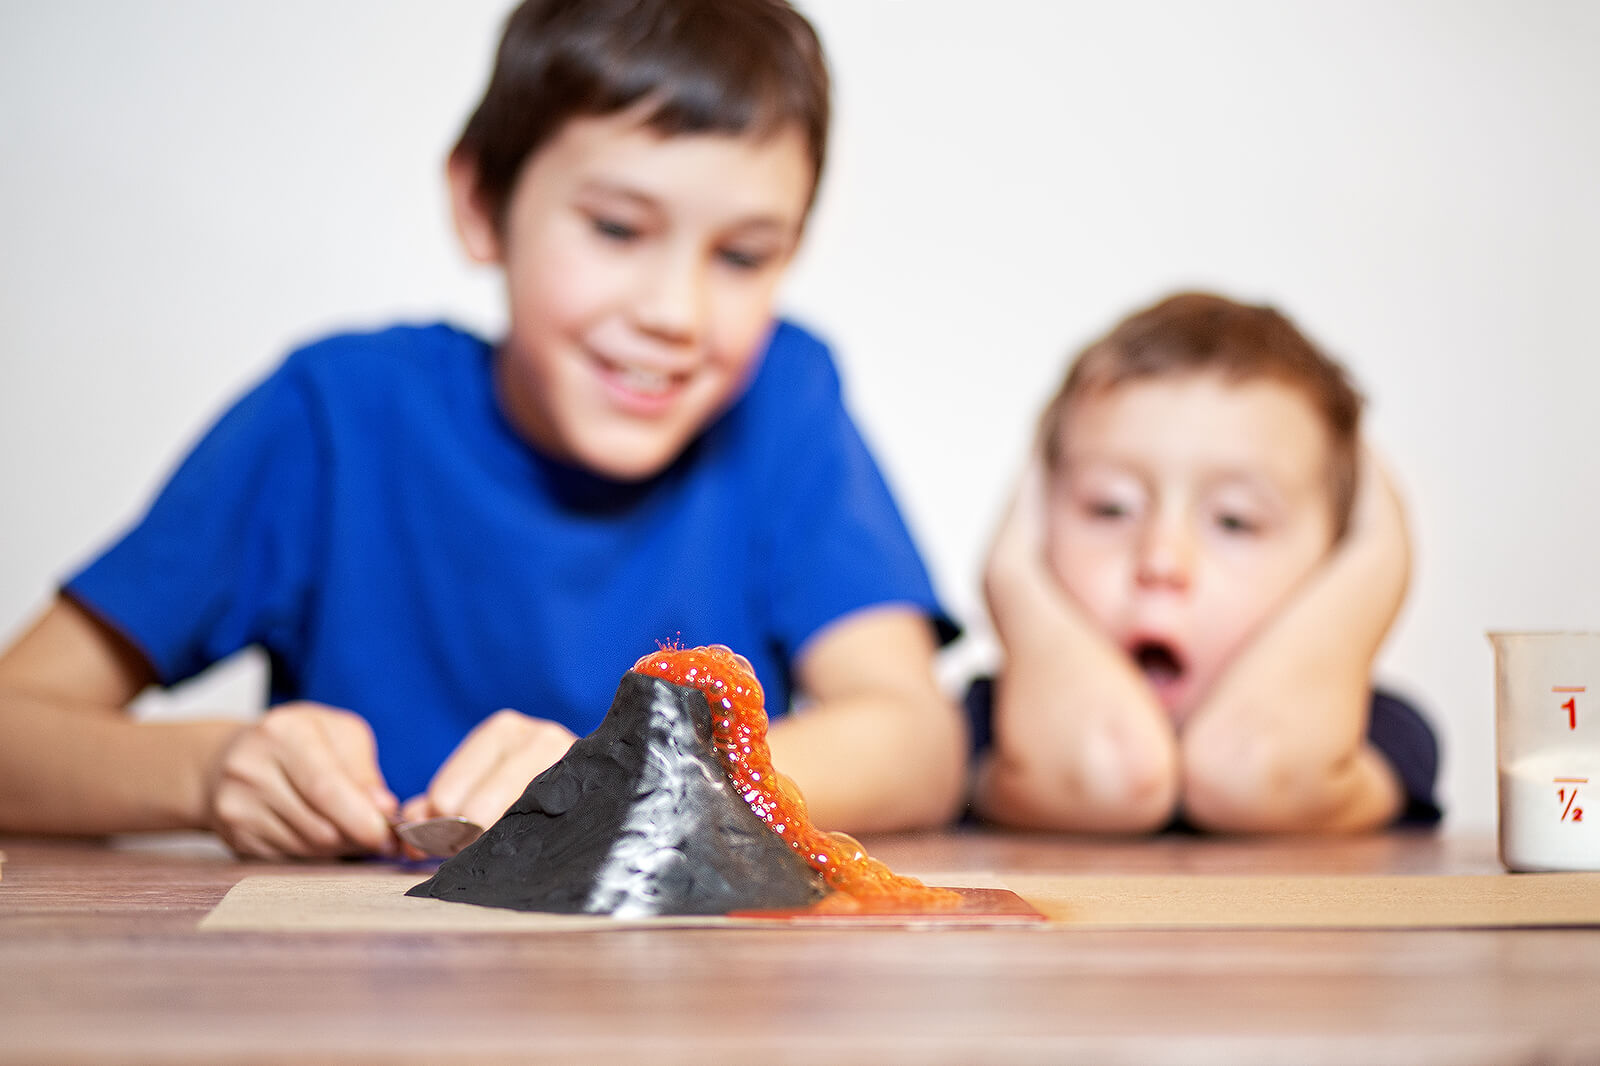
742	260
1106	510
1230	522
613	230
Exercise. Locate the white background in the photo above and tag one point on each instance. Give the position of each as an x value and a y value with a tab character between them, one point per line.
188	188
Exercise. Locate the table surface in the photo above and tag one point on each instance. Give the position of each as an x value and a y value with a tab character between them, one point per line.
100	961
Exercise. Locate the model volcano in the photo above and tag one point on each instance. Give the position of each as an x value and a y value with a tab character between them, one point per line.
638	818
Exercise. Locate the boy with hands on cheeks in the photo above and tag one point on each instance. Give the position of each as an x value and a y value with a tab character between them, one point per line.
423	528
1190	587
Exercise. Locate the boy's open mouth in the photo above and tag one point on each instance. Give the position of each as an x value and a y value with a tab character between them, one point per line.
1158	661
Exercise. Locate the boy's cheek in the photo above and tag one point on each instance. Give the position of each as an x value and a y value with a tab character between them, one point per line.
739	328
1259	579
1080	553
1095	581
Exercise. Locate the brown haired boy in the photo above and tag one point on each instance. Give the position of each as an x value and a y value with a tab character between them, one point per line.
1191	588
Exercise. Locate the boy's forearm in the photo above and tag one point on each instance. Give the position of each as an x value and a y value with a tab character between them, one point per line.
1079	744
1259	792
1303	685
1115	787
875	762
1287	720
83	771
880	747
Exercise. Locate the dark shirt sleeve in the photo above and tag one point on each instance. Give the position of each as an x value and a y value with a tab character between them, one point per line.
979	705
1403	737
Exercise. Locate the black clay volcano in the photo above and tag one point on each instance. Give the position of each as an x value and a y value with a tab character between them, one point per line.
638	818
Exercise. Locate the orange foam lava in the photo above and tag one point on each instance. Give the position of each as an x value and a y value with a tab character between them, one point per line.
739	733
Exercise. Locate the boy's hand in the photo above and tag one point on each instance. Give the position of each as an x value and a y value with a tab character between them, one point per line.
1279	744
1378	515
491	767
1080	740
302	782
1017	581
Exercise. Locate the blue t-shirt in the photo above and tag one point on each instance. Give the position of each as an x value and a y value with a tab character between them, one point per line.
367	516
1395	728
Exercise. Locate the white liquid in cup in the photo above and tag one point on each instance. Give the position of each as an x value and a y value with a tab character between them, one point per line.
1550	811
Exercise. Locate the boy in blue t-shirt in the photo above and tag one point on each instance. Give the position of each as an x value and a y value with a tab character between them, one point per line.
423	529
1191	587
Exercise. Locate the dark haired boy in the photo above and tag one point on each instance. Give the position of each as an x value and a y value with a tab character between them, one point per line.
423	528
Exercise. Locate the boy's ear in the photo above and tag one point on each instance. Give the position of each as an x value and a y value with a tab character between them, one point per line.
475	227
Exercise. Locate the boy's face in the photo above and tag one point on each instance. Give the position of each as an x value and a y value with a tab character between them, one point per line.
1185	512
641	271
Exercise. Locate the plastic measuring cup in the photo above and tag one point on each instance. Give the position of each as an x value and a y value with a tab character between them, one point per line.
1547	747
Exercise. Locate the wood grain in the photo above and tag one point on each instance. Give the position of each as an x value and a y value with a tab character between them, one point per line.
101	962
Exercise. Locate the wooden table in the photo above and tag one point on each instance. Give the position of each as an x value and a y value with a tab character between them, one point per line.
100	961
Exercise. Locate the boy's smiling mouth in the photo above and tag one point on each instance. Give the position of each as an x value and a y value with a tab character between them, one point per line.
639	386
645	381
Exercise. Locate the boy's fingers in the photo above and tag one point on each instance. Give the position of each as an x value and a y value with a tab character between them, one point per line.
323	781
254	795
1025	520
385	800
499	789
494	765
254	828
279	835
352	742
458	778
1016	571
544	744
1021	526
472	761
415	808
255	847
356	749
290	823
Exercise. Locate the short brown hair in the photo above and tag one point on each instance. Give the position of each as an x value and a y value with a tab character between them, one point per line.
1193	332
703	66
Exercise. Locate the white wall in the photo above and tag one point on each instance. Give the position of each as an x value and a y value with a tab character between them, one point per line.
187	188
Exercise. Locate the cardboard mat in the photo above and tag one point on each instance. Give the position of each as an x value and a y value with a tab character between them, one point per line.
1315	902
371	902
376	901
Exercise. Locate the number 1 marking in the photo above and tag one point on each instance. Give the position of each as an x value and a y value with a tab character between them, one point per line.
1571	706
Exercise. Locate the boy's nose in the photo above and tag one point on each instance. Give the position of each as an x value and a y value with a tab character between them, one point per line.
1166	556
670	298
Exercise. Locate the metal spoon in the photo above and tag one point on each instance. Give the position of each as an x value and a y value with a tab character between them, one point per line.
440	837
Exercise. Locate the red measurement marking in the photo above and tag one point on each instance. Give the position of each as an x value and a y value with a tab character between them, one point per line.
1562	797
1571	707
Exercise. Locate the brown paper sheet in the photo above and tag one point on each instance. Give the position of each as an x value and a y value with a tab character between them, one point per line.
369	902
376	902
1314	902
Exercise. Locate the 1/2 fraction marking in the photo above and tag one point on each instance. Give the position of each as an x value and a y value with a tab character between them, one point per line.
1569	812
